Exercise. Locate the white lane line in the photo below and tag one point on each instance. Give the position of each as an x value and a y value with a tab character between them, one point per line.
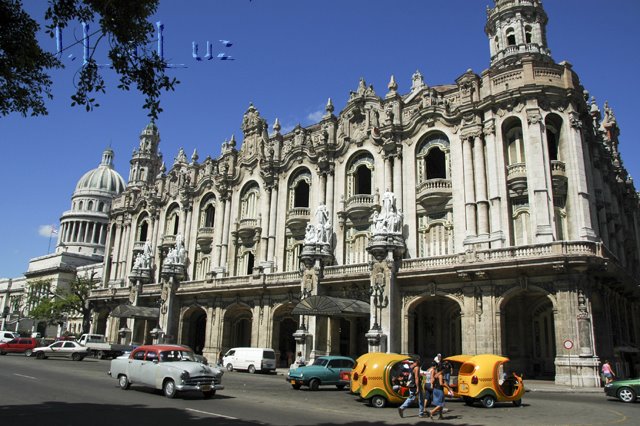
211	414
22	375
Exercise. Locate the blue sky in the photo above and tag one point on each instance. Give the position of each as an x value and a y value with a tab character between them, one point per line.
291	56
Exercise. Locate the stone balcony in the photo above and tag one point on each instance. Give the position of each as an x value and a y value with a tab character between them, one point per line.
247	228
205	238
434	192
297	218
517	178
559	177
358	206
168	241
138	246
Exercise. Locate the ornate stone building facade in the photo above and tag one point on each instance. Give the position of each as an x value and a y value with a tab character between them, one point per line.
492	214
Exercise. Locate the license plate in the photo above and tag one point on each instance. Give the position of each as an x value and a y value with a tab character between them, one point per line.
205	388
293	382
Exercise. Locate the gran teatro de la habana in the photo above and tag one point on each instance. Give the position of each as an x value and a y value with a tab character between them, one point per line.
489	215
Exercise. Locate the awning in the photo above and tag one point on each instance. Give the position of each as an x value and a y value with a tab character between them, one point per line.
129	311
331	306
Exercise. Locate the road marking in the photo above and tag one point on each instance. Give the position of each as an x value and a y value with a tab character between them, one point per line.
22	375
212	414
621	420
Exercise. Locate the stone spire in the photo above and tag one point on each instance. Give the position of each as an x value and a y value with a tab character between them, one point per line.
146	160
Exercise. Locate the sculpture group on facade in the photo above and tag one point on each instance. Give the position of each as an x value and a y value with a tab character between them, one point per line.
177	255
144	260
389	220
320	232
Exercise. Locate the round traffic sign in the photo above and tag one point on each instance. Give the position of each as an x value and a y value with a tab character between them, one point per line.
568	344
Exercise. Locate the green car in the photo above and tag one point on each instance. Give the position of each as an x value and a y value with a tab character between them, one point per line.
625	390
325	370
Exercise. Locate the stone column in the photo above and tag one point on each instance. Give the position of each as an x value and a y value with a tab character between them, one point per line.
397	179
482	203
170	309
225	237
538	177
273	215
388	170
330	194
469	189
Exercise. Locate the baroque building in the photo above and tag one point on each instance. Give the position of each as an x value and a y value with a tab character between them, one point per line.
489	215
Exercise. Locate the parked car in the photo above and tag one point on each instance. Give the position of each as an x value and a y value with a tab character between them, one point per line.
7	336
21	345
172	368
250	359
625	390
325	370
68	349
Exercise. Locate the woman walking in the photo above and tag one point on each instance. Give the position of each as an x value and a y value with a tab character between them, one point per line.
439	388
607	372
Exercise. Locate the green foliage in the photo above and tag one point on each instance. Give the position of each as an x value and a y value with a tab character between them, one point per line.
54	306
124	24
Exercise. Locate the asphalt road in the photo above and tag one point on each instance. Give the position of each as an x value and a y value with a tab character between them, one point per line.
56	392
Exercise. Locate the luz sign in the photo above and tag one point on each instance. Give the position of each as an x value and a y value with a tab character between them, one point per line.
86	47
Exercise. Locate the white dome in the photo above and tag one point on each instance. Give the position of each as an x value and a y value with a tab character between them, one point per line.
102	179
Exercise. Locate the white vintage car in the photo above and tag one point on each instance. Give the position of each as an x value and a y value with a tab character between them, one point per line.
74	350
172	368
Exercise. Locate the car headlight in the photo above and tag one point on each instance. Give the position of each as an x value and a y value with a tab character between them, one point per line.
608	385
184	375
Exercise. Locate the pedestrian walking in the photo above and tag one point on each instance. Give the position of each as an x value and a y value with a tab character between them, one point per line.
414	386
428	388
439	389
607	372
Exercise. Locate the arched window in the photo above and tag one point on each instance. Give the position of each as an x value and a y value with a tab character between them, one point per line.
80	205
143	231
432	158
511	37
553	127
209	216
299	189
249	202
90	206
527	34
301	195
512	133
172	226
436	166
101	206
497	42
363	180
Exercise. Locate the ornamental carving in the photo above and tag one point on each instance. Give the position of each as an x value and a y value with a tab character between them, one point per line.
533	116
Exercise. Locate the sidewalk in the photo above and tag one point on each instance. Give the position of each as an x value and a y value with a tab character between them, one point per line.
529	385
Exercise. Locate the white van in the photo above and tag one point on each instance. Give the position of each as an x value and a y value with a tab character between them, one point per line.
250	359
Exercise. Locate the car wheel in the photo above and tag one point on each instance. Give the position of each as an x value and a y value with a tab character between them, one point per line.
626	394
340	387
314	384
378	401
169	389
101	355
76	357
124	382
40	355
517	402
208	394
296	387
28	352
468	400
229	367
3	353
488	401
251	369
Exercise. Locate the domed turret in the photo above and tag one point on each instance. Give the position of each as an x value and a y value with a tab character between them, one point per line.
517	28
146	160
83	229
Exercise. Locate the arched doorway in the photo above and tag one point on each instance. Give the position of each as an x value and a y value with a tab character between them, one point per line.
284	325
194	327
528	334
435	327
237	327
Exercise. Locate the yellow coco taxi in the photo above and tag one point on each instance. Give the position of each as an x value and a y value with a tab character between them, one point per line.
358	370
482	378
383	378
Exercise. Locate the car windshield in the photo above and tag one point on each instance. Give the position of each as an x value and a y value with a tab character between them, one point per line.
320	361
176	355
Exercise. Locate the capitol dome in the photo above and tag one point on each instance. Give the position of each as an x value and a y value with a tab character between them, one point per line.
103	178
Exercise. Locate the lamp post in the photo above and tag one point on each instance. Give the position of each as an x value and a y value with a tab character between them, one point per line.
123	332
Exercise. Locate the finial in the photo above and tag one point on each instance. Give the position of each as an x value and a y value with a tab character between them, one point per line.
276	126
417	82
393	86
329	108
194	156
232	142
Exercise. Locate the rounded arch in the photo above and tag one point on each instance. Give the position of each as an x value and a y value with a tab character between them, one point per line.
432	157
194	327
142	227
527	317
249	197
172	219
360	170
513	140
434	325
208	210
237	326
553	130
284	325
299	188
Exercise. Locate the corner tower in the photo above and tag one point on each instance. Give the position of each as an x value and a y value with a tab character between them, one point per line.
146	161
517	28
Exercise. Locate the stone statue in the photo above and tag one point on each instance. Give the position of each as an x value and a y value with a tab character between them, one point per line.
310	236
147	254
138	263
390	219
177	255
